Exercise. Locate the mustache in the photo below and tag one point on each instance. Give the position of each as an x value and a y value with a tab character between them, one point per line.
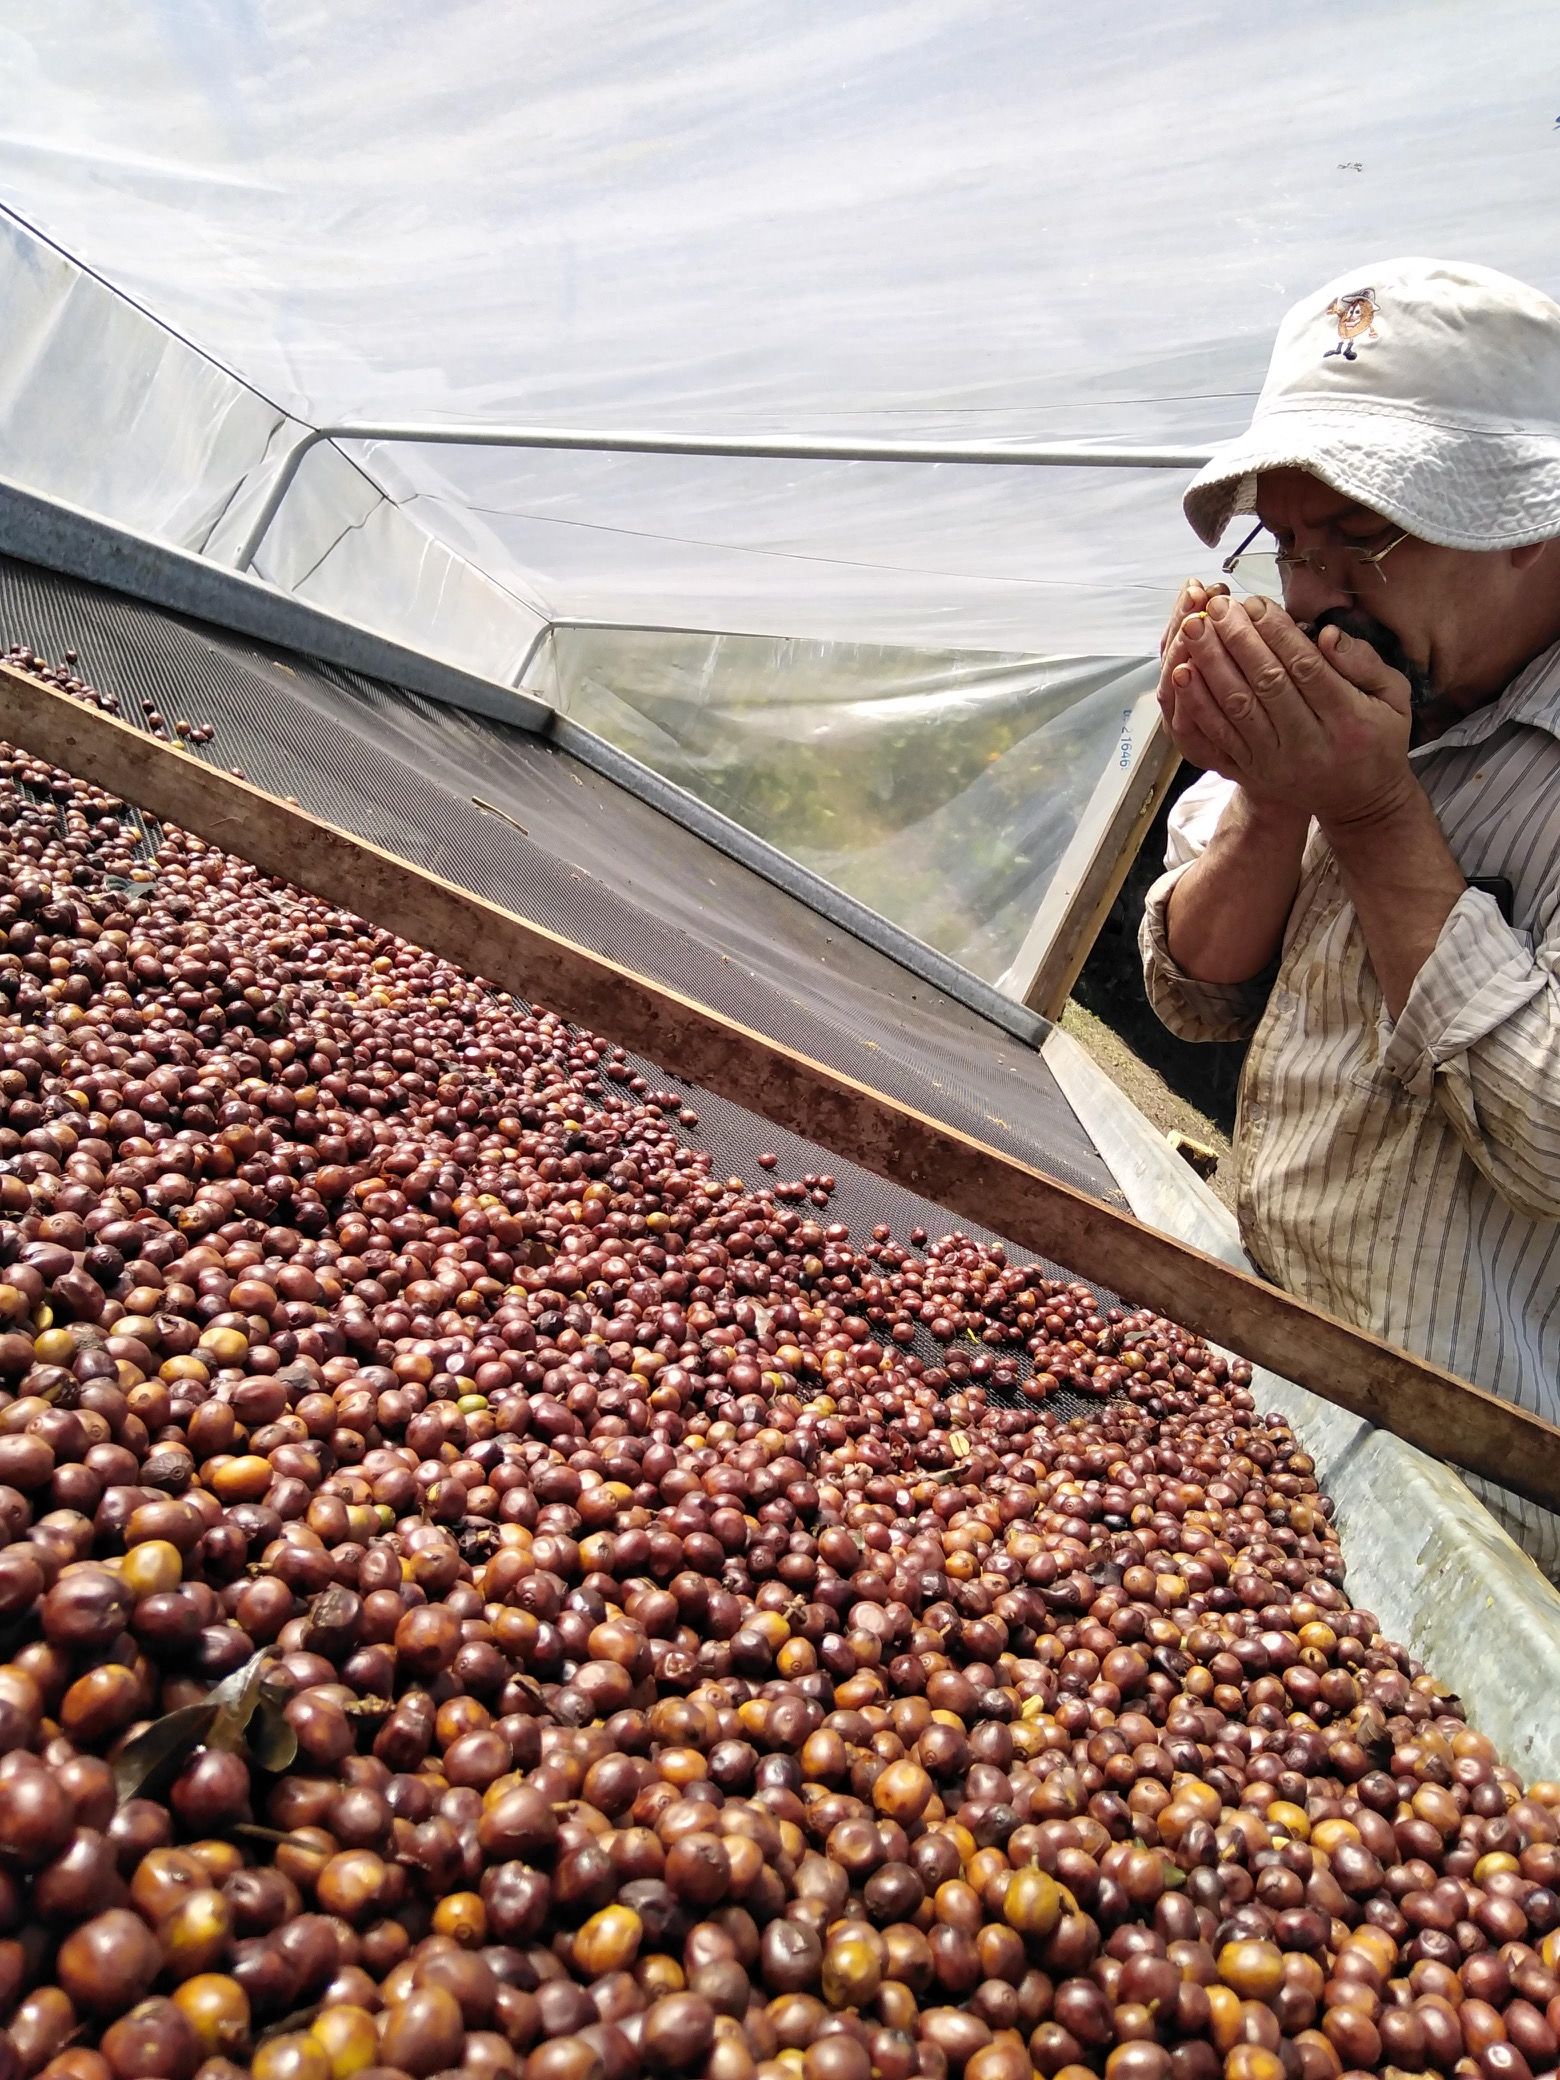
1365	628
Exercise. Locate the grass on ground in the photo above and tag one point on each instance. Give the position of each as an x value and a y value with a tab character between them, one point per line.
1149	1092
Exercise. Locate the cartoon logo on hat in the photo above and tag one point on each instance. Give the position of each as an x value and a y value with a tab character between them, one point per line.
1356	315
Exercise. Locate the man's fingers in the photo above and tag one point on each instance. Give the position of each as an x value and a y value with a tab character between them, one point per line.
1192	598
1165	693
1189	600
1178	646
1283	686
1324	672
1195	747
1199	727
1239	701
1193	602
1198	751
1292	649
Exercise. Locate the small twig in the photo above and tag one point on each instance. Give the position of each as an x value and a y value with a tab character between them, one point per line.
299	2019
492	809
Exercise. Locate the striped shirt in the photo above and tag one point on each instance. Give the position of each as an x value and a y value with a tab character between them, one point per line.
1406	1176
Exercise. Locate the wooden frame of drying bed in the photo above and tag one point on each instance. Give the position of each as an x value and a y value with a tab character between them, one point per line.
1445	1416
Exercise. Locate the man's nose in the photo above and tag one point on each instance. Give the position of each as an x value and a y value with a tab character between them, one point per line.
1307	593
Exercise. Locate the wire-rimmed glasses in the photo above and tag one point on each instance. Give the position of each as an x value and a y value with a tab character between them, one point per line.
1337	563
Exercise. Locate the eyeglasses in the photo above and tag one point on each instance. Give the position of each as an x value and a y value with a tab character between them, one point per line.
1338	563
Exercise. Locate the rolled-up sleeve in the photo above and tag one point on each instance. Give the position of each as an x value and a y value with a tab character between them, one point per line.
1190	1008
1480	1033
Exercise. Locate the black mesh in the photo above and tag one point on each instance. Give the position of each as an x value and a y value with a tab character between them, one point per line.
581	855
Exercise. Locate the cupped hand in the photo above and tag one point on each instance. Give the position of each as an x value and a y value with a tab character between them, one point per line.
1320	728
1176	650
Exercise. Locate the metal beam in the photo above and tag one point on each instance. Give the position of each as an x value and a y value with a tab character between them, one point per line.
779	448
1105	842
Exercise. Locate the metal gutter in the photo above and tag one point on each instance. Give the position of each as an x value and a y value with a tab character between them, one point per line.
64	538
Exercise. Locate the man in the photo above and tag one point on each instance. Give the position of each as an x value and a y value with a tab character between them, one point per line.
1367	881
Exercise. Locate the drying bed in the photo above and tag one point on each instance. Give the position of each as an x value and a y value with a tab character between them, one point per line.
492	1589
517	818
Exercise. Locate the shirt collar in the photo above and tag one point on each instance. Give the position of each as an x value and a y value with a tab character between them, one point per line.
1532	699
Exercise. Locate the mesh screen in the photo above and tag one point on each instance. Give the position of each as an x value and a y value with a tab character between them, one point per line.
522	823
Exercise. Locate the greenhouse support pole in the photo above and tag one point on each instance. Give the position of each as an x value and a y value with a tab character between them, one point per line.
533	651
758	448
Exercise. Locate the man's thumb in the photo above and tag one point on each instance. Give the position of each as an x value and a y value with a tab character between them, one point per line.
1363	666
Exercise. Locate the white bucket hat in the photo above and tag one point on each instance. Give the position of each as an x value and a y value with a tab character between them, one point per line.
1427	390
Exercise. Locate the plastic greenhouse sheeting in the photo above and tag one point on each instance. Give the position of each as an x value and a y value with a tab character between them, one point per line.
950	219
103	408
940	789
964	217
